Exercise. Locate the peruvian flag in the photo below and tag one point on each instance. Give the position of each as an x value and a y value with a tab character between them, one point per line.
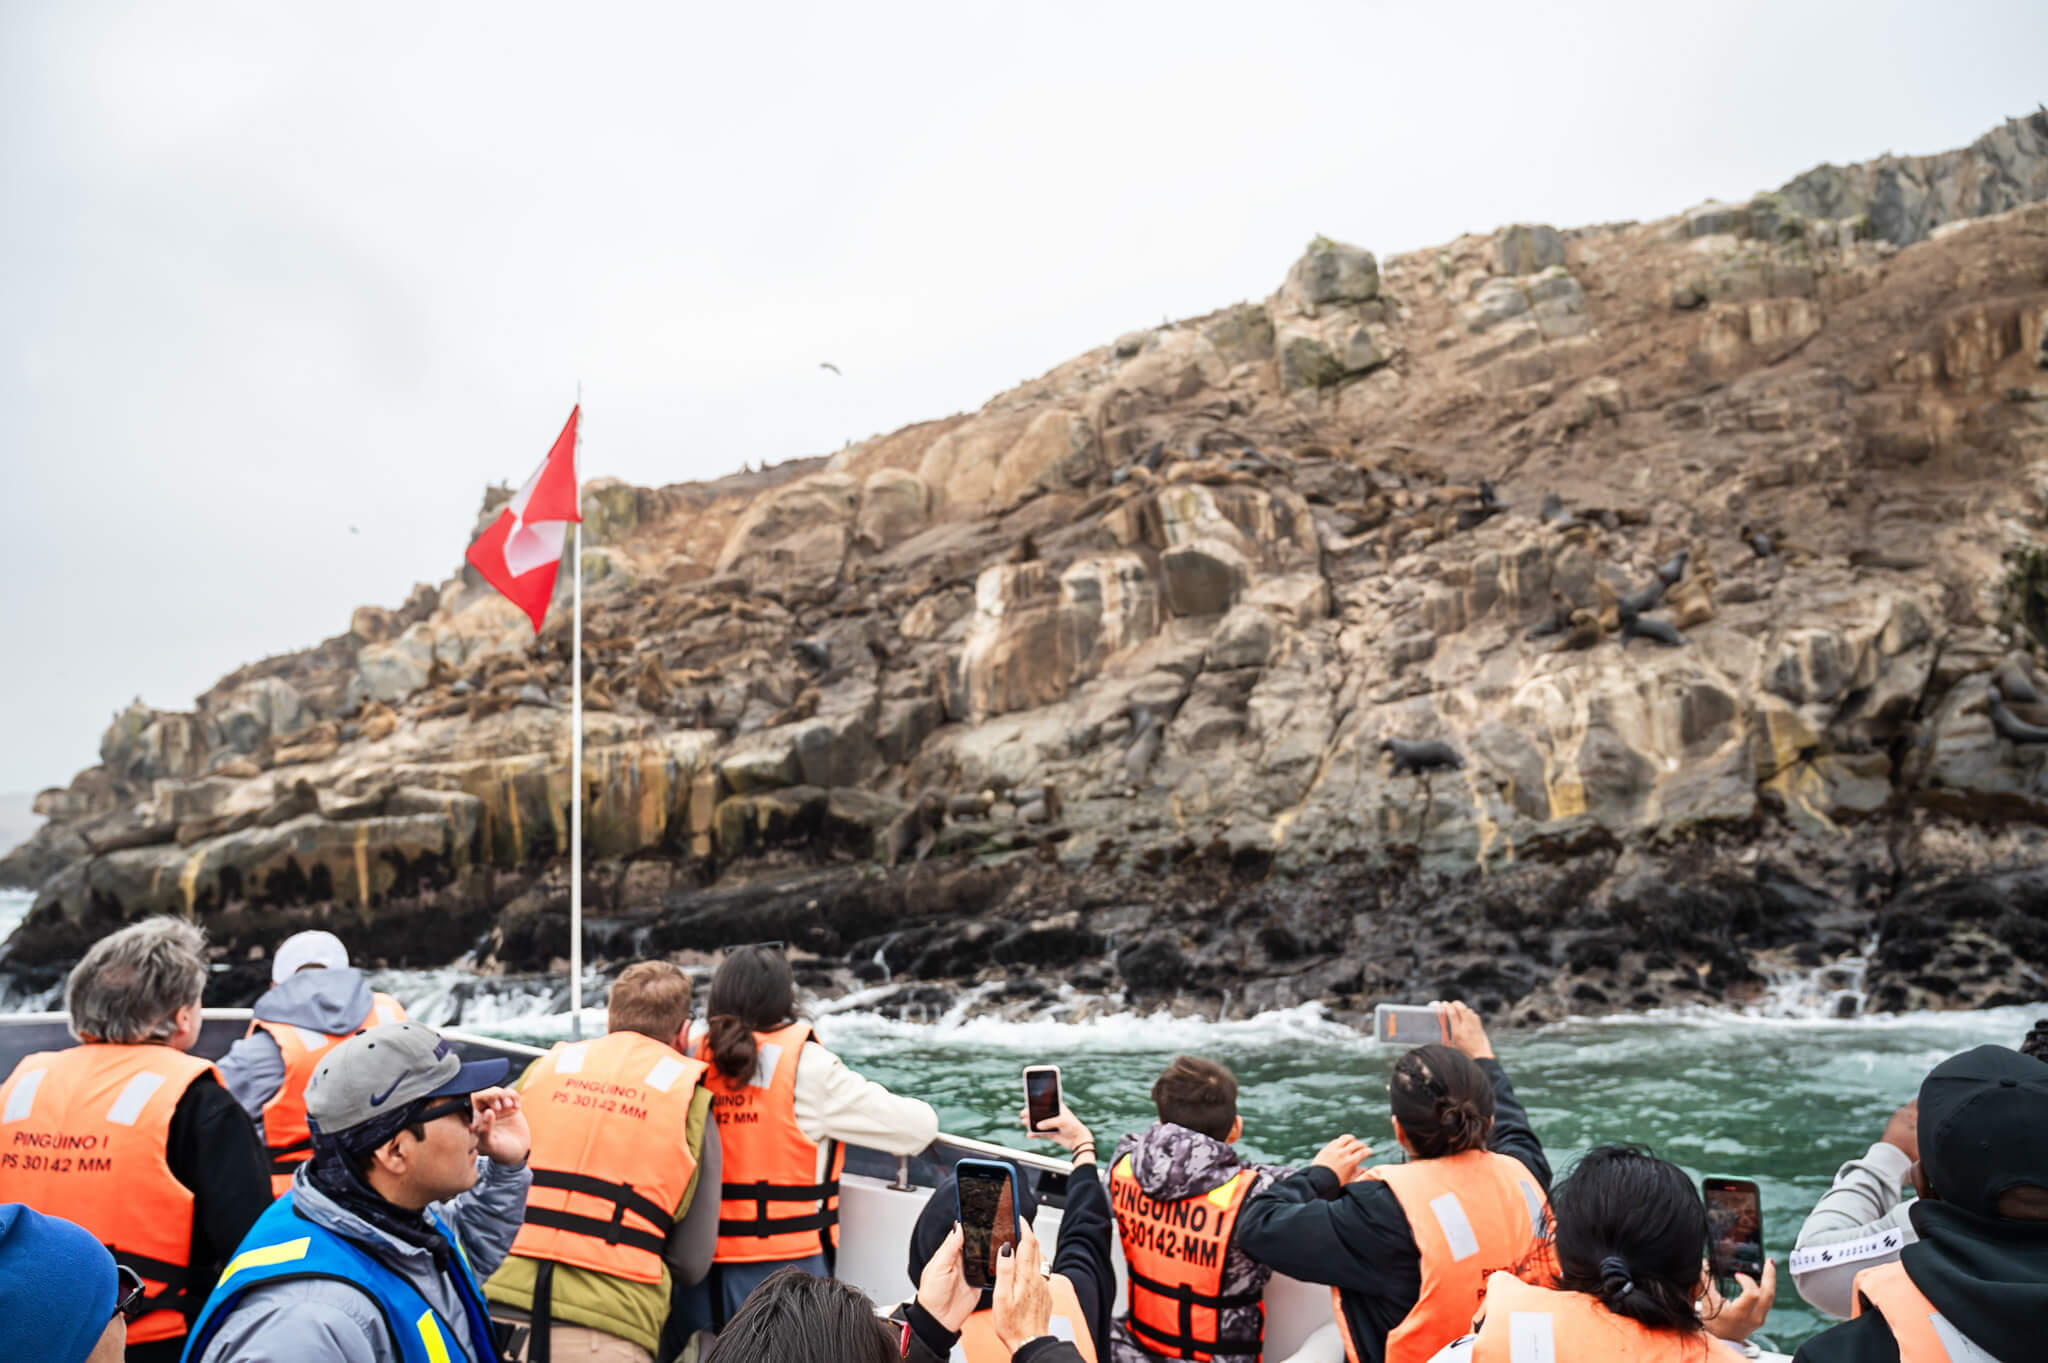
521	551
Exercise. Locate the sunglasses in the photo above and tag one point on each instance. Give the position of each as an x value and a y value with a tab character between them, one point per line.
434	1112
128	1302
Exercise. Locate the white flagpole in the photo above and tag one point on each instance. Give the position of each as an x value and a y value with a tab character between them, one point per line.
576	754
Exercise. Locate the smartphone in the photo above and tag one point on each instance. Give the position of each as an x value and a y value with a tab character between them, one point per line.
1408	1024
1041	1094
988	1216
1735	1229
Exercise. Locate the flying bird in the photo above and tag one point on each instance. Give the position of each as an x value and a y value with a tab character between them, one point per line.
827	364
353	531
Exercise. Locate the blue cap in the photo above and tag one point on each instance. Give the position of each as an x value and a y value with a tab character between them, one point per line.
57	1287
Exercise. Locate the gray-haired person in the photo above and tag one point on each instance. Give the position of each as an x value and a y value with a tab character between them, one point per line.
132	1138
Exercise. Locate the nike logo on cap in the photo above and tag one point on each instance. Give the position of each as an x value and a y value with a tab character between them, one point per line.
377	1099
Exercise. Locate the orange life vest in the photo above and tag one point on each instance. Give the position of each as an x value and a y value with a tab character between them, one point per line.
83	1135
1470	1213
1924	1335
981	1344
286	1137
768	1162
1175	1254
607	1118
1528	1324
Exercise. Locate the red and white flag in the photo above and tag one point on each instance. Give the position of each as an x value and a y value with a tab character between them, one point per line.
521	551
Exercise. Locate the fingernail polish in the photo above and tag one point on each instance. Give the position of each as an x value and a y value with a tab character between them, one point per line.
1006	1251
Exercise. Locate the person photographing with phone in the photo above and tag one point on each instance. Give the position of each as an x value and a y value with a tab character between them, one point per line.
1406	1248
1623	1277
977	1221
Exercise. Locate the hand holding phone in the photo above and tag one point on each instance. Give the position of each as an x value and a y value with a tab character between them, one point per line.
987	1192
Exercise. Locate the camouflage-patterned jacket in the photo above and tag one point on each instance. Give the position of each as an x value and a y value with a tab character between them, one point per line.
1171	1163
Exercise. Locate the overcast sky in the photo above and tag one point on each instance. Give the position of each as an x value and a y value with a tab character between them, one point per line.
283	286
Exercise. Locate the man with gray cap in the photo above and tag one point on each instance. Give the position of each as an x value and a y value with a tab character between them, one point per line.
316	1001
1973	1288
416	1187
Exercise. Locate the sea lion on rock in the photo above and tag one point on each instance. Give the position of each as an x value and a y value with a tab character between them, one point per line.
1673	570
1424	756
1638	626
1759	543
2015	684
1645	598
1557	622
970	806
914	830
1585	631
2011	726
812	654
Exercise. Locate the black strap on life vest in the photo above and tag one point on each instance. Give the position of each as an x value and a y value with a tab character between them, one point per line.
1186	1343
761	1194
176	1278
285	1159
612	1232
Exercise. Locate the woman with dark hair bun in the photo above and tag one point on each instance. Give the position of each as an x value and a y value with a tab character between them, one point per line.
1406	1248
784	1104
1628	1240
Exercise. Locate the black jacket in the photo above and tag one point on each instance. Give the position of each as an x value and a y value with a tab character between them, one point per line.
1988	1278
1356	1238
213	1149
1082	1255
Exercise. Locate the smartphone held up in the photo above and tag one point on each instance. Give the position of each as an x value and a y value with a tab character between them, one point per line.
988	1216
1409	1024
1042	1101
1735	1229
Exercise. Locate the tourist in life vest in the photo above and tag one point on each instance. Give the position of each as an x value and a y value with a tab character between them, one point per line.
1406	1248
1625	1278
1177	1188
624	1150
784	1104
132	1138
1863	1220
1082	1286
61	1295
316	1001
1974	1284
416	1186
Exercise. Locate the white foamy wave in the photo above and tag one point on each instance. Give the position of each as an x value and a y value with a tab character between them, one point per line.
1106	1032
14	907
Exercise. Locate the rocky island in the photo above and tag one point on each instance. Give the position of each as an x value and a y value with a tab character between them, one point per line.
1573	621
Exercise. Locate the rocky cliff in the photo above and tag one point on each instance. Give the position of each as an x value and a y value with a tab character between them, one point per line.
1571	620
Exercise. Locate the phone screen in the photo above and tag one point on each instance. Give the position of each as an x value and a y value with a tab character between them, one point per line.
1041	1094
1735	1228
988	1218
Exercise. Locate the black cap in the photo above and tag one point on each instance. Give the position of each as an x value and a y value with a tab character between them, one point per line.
1984	1126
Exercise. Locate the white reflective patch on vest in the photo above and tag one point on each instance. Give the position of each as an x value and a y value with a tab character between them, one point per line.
569	1060
1530	1337
665	1073
133	1098
1884	1244
22	1101
1961	1348
310	1039
1534	1200
765	1063
386	1014
1450	1216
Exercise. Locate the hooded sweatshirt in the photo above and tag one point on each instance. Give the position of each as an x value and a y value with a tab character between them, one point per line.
1986	1275
321	1320
1172	1162
333	1002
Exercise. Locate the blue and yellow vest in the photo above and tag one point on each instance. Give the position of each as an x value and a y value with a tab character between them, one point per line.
283	1245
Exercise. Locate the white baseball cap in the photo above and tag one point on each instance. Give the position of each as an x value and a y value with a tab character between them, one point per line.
302	949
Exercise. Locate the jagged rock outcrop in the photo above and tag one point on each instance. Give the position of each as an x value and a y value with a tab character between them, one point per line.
1710	547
